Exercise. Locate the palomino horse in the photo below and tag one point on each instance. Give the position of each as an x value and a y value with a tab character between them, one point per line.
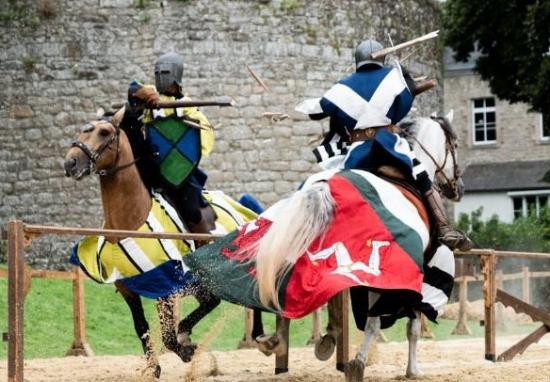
104	149
308	215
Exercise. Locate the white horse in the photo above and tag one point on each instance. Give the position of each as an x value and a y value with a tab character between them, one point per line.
309	213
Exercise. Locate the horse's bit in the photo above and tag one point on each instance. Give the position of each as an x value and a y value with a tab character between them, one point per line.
93	156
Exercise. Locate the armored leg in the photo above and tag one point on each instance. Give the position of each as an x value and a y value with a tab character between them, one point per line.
447	235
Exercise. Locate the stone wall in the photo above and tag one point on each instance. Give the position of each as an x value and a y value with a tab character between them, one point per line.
518	130
62	59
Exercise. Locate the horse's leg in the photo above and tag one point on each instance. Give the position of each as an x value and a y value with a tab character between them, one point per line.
413	333
276	343
257	323
356	367
165	307
324	348
141	326
207	303
315	326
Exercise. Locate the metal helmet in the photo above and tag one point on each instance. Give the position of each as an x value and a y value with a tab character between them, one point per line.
364	51
168	71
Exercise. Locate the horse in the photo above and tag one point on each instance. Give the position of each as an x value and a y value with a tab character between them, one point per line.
310	246
435	145
103	148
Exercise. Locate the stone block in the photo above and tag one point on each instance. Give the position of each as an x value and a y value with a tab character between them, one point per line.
33	134
21	111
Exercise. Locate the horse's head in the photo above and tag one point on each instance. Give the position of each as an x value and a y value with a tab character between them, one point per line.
436	145
96	150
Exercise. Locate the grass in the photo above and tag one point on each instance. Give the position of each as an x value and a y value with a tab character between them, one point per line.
109	326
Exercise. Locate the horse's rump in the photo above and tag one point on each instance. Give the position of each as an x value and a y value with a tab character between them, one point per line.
376	239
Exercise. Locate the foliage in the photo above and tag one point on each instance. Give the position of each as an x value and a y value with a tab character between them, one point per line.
27	12
29	63
47	8
513	38
142	4
290	5
12	11
524	234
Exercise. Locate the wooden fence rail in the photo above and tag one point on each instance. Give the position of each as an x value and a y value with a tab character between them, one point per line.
492	294
525	275
20	235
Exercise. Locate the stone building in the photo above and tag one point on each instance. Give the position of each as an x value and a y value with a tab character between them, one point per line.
62	59
505	149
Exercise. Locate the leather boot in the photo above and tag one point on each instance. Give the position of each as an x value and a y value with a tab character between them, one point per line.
452	238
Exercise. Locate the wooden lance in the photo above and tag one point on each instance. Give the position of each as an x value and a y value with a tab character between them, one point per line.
220	101
392	49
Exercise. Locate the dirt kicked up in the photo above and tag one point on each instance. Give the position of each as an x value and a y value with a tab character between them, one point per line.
455	360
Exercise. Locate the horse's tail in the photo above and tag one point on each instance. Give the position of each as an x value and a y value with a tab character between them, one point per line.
305	217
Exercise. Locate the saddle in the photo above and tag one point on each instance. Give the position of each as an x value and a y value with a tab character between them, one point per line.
207	222
399	180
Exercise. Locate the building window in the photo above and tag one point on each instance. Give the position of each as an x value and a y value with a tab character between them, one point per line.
525	205
484	121
545	127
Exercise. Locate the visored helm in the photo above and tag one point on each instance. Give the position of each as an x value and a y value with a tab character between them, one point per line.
364	51
168	71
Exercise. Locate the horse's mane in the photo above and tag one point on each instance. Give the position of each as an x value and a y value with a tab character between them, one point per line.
409	128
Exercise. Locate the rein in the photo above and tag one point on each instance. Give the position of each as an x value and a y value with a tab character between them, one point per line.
450	148
93	156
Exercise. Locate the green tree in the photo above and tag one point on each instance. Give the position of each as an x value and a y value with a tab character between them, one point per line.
529	233
513	37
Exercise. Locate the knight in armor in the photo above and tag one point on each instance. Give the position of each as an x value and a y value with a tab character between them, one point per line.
363	111
169	149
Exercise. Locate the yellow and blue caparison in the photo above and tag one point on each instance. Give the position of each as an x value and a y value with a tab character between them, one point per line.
154	268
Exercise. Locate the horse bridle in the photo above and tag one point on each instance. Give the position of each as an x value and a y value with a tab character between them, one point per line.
450	148
93	156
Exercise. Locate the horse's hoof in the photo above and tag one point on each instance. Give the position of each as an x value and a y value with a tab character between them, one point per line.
157	371
325	347
151	372
271	344
413	374
184	339
313	340
186	352
263	345
355	370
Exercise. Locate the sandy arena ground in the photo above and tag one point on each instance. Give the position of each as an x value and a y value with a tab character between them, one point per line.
457	360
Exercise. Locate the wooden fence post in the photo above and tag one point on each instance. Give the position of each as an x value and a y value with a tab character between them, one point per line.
342	340
488	263
501	322
79	346
461	327
525	290
16	300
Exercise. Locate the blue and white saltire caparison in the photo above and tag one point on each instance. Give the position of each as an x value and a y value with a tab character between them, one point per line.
365	99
